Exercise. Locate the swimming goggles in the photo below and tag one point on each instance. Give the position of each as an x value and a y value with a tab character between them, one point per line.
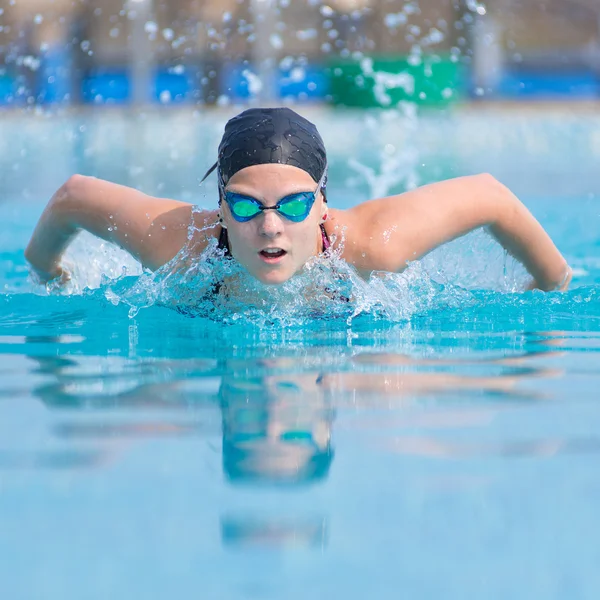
295	207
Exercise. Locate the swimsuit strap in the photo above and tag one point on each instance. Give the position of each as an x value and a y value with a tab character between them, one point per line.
325	237
223	243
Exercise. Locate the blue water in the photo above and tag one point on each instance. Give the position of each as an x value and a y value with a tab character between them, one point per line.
448	448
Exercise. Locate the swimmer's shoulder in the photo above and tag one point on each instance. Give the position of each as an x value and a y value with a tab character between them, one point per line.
345	230
204	227
362	236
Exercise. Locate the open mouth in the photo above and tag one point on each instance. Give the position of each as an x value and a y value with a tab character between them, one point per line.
272	253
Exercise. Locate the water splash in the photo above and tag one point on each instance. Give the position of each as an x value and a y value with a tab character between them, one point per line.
398	158
214	287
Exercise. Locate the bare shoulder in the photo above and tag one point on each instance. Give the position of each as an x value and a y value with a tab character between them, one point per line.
343	228
152	229
385	233
204	227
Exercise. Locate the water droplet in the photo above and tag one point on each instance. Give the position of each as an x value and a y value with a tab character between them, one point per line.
297	74
435	36
306	34
476	7
286	63
165	97
150	27
38	19
30	62
276	41
411	8
393	20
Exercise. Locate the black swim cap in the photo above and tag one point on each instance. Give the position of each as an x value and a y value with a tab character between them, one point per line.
270	135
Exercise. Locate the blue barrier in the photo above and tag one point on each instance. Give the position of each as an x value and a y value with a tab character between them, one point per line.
114	87
106	87
309	82
304	83
7	89
53	82
172	87
549	84
235	81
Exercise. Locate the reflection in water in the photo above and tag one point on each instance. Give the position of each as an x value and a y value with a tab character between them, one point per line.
251	530
275	431
105	430
549	447
276	415
57	459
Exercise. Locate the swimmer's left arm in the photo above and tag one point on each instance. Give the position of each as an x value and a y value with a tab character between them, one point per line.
402	228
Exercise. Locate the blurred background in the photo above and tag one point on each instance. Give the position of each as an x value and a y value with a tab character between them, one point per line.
360	53
404	92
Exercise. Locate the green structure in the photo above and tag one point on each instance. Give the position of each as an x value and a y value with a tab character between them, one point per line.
386	80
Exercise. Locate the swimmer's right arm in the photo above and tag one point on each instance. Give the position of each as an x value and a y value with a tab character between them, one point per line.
151	229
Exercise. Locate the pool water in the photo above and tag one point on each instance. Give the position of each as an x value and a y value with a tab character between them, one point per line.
445	449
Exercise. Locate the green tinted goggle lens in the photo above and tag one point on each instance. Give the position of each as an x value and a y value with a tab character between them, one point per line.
245	208
296	208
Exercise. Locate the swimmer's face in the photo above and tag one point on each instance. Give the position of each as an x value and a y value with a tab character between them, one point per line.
275	428
271	247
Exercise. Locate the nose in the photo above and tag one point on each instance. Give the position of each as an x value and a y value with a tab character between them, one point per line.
271	224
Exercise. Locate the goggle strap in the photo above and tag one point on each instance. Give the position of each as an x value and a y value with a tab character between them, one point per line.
322	183
210	171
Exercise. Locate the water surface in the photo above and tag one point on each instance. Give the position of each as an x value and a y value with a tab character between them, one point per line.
448	448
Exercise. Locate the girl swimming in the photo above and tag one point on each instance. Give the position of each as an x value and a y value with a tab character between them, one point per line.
273	214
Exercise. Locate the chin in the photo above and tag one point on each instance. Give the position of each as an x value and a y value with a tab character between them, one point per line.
275	277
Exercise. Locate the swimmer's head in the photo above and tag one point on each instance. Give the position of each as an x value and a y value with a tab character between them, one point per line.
276	430
271	157
261	136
